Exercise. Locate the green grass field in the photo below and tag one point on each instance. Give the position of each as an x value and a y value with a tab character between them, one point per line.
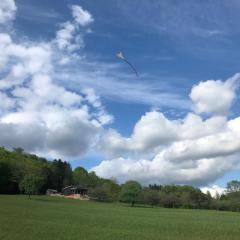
58	218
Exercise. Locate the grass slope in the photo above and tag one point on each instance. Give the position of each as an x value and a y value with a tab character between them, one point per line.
56	218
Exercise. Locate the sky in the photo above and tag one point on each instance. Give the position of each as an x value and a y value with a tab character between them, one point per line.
64	94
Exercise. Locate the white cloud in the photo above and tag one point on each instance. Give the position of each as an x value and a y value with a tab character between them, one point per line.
22	61
6	102
68	36
214	190
81	16
183	151
106	78
7	11
193	126
164	171
215	97
36	112
92	97
154	132
56	114
150	132
65	36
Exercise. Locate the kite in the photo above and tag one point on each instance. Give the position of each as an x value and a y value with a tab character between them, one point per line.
121	56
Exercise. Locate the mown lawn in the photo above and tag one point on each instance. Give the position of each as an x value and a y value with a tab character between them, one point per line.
56	218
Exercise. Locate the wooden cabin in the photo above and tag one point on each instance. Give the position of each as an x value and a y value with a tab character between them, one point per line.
73	190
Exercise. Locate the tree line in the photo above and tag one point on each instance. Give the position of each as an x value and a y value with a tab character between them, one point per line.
26	173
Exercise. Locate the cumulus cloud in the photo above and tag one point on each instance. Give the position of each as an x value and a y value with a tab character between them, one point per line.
7	11
39	114
30	137
73	138
150	132
20	61
214	97
191	150
154	132
162	171
214	190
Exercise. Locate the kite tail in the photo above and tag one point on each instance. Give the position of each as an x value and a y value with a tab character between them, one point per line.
133	68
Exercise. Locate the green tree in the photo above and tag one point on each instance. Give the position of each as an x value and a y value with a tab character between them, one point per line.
94	180
151	197
18	150
5	176
101	194
170	200
61	174
113	188
80	176
30	185
130	192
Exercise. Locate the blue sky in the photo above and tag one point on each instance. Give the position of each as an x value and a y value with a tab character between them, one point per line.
177	44
173	44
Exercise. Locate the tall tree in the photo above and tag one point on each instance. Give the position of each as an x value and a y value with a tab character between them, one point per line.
80	176
151	197
61	174
31	184
5	177
130	192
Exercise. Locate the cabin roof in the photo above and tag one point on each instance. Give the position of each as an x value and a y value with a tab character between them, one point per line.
77	187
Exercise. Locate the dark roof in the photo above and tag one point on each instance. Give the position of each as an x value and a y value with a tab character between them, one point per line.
79	187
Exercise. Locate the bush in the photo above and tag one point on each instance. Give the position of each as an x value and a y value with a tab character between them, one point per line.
100	194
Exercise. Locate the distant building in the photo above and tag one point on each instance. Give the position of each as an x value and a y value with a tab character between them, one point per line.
51	192
75	190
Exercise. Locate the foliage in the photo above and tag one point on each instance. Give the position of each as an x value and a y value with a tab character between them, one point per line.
130	192
16	166
151	197
30	184
80	176
101	194
61	174
5	175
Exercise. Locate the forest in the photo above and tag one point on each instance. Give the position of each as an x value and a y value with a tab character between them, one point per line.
18	168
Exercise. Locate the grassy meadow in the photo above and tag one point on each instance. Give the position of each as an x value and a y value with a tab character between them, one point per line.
57	218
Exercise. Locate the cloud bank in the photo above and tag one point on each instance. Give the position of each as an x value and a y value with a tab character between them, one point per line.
193	150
